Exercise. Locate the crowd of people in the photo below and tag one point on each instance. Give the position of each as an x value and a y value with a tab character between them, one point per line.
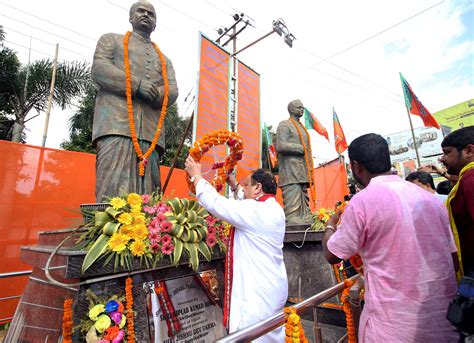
412	239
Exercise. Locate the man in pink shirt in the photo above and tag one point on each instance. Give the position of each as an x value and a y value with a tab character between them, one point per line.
403	237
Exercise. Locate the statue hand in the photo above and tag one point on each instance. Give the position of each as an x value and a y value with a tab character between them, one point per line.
148	91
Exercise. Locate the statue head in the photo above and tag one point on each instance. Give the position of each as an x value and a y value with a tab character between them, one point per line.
143	17
296	109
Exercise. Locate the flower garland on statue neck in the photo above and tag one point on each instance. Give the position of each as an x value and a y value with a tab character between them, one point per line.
143	157
308	158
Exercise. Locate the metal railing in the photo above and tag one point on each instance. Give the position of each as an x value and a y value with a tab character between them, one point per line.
259	329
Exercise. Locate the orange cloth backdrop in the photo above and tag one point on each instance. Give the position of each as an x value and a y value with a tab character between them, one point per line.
330	180
41	189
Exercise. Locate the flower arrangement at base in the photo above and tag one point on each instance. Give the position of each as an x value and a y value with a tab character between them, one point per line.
214	138
294	332
320	217
106	320
146	229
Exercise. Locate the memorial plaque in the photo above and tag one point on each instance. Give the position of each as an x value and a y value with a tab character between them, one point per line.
186	309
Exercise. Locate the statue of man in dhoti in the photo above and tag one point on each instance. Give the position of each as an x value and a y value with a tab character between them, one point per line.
293	146
121	126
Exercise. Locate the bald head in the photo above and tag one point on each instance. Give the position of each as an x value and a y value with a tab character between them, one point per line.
296	108
143	16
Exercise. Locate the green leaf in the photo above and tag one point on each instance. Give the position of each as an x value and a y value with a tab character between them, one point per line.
95	251
178	250
204	249
101	218
110	228
192	248
113	213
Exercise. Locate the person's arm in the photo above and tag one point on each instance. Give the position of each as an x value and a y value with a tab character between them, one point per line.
235	212
284	146
347	238
331	227
104	71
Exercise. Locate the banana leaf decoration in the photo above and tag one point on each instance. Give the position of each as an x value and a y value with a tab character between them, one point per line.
107	219
189	230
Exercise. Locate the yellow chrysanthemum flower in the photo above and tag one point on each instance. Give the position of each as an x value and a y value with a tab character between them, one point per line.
134	199
118	242
125	218
139	219
139	232
137	248
136	210
117	203
126	230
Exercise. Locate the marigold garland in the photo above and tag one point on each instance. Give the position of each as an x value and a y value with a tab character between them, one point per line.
130	314
346	306
201	146
143	157
294	332
67	321
308	158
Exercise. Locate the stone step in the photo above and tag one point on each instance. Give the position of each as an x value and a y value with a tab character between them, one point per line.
40	311
53	238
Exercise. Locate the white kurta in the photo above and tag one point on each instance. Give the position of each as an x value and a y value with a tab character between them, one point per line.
260	283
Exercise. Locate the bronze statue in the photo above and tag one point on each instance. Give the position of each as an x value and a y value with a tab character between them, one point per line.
293	173
117	162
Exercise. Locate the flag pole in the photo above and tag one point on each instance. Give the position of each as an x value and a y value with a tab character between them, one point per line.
413	137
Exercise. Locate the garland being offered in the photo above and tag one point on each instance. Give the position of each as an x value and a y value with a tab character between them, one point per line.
67	321
201	146
308	158
143	157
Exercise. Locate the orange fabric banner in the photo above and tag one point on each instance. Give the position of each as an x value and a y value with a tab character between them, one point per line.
331	184
212	105
248	120
41	189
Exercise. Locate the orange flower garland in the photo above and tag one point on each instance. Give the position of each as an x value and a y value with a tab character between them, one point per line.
201	146
346	306
130	314
294	332
67	321
308	158
143	157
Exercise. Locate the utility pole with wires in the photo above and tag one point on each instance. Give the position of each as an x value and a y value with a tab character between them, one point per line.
232	32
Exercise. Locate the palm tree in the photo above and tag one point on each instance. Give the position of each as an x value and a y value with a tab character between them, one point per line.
72	79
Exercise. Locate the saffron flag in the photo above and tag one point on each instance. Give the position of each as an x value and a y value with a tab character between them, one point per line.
311	122
271	148
415	106
339	137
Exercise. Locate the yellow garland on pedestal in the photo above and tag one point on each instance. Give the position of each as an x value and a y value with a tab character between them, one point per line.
294	332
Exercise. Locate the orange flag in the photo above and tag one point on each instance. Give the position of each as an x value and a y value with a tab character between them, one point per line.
339	137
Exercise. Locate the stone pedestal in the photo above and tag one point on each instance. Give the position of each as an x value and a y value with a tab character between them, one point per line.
38	317
308	274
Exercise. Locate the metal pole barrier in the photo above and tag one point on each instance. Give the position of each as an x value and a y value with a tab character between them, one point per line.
259	329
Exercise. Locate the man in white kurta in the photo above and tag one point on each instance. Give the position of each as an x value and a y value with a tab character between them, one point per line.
260	283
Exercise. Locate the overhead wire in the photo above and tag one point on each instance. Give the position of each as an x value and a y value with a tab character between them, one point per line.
46	31
47	21
43	41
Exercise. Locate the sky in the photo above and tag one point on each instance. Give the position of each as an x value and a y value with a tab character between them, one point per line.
347	54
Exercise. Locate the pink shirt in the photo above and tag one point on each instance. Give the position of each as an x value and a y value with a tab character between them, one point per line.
402	234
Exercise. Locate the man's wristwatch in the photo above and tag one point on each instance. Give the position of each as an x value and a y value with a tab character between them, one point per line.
194	177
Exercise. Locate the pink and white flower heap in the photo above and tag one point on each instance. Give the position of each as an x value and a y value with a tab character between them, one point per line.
159	228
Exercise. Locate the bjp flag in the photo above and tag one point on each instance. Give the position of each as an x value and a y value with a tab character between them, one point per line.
339	137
